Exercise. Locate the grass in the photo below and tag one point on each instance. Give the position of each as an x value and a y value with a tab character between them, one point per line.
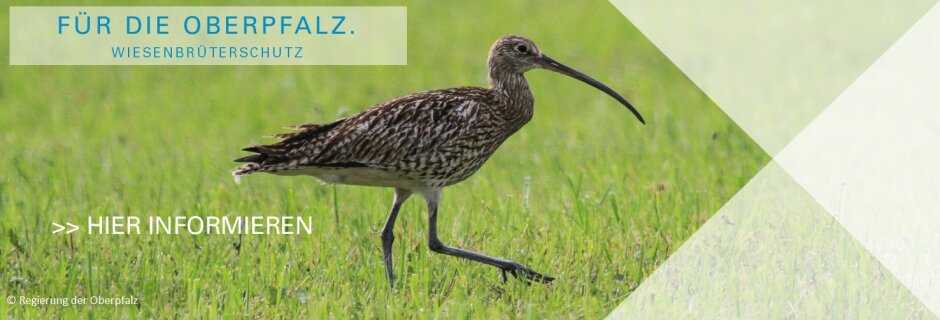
773	252
583	193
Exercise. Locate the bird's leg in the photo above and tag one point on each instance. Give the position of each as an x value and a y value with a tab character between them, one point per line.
514	268
388	237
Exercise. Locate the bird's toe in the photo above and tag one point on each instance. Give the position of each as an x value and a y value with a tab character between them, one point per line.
525	273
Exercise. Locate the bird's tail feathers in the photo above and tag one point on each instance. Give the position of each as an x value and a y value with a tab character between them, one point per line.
245	169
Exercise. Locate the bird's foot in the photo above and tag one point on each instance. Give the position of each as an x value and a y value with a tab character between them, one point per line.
525	273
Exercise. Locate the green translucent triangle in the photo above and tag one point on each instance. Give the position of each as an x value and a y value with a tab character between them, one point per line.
772	66
772	252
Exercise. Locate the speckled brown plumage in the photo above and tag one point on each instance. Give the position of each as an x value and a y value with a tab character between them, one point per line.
435	138
421	142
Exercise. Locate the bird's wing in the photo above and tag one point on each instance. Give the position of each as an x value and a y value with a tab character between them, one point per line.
396	133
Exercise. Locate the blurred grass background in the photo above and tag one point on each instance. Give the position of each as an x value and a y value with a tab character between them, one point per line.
583	193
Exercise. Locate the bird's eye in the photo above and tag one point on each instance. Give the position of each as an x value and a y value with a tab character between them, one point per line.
522	48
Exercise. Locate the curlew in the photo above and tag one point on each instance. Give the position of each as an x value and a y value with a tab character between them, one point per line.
423	142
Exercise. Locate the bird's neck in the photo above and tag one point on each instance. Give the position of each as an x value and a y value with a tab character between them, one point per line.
509	83
513	87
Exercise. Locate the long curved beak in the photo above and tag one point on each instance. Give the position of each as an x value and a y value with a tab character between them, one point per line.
551	64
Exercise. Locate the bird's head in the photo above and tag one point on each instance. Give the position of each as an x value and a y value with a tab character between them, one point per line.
513	54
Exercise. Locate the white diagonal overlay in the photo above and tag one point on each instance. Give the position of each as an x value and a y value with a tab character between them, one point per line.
771	252
772	65
845	223
872	159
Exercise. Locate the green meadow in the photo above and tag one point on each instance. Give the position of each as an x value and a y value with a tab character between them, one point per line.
583	193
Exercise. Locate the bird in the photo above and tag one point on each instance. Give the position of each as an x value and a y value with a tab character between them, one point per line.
422	142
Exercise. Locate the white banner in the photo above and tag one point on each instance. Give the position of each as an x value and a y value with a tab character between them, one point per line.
208	35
